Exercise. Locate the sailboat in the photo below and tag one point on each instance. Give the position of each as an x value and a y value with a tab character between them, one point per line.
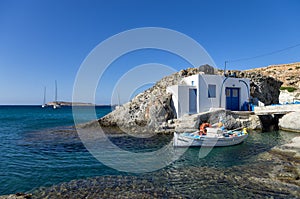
55	104
44	102
117	106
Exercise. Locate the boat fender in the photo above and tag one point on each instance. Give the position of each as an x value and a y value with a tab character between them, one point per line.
203	127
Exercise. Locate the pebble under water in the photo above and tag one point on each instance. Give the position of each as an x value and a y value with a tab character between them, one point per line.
248	170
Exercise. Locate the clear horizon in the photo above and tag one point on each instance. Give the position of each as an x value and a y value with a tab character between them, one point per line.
44	41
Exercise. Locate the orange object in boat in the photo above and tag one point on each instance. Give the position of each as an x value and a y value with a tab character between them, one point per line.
203	127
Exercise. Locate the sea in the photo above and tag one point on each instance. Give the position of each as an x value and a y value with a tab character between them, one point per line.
41	153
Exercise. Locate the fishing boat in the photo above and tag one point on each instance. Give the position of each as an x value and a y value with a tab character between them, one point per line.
214	137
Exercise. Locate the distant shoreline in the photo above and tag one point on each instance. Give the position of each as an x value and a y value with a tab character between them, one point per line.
39	105
63	103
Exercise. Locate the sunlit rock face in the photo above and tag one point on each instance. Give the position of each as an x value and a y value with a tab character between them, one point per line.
149	110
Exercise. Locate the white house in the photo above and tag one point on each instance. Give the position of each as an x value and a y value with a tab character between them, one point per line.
201	92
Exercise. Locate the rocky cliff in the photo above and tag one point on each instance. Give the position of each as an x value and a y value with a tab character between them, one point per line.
146	111
266	89
289	74
149	110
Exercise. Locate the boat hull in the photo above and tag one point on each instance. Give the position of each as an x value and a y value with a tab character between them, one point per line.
183	141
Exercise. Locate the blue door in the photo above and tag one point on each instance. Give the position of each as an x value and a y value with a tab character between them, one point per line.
232	99
192	101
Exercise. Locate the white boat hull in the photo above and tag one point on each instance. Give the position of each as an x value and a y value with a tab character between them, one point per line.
205	141
56	106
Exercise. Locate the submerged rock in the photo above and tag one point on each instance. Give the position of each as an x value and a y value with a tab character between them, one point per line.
294	145
288	171
271	176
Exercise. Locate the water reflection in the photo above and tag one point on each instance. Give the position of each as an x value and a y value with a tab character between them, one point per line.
238	171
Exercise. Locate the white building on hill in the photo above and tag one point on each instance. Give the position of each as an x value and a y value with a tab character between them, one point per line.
201	92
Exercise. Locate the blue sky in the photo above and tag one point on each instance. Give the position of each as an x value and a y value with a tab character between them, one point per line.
44	41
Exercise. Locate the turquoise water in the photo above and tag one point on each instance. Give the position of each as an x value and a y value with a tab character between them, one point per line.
40	148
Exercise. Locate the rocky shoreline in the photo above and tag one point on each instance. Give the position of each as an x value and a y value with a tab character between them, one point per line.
17	196
152	111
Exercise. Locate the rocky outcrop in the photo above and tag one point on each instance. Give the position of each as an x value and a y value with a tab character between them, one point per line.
148	110
266	89
151	110
207	69
263	87
290	122
289	74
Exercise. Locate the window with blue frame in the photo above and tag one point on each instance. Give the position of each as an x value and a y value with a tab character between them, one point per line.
211	91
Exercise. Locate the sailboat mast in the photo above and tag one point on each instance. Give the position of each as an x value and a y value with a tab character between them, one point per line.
44	102
55	91
56	104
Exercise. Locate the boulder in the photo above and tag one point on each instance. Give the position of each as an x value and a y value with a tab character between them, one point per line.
290	122
192	122
207	69
252	122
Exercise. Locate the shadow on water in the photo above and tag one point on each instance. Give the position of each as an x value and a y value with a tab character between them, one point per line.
134	144
55	141
63	139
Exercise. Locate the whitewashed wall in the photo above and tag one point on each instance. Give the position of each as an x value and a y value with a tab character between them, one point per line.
181	92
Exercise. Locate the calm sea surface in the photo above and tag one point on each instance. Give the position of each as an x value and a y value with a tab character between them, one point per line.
40	148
